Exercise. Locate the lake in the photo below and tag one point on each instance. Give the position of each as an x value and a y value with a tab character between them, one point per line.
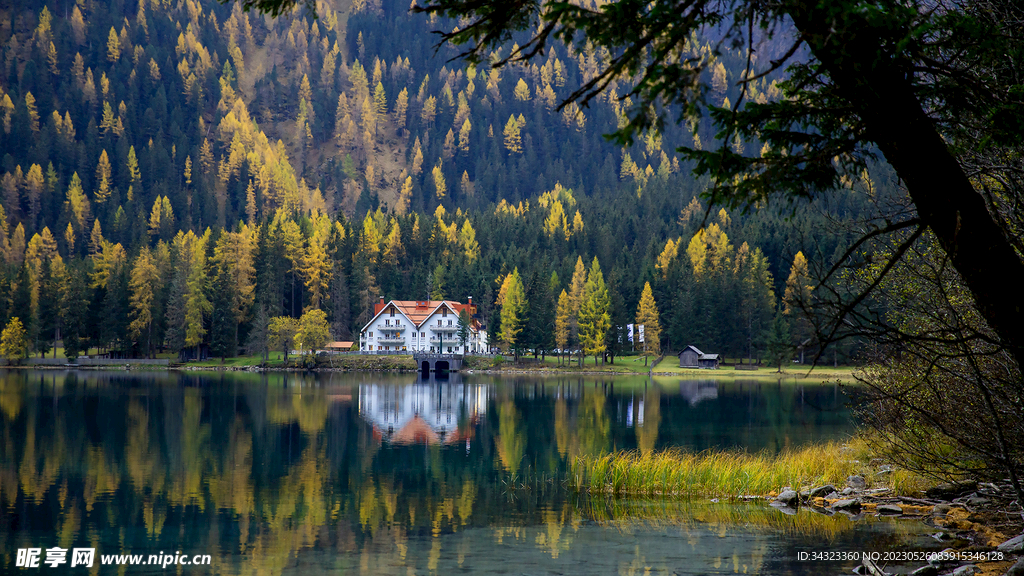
389	474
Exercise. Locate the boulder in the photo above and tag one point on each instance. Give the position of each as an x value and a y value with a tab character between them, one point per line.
941	509
788	498
968	570
977	501
1013	545
821	491
889	509
1017	569
950	490
851	504
856	482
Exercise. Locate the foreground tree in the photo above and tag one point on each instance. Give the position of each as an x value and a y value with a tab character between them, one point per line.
595	319
647	316
513	311
14	341
314	332
283	331
930	87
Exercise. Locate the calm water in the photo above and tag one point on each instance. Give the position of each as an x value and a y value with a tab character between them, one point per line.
371	474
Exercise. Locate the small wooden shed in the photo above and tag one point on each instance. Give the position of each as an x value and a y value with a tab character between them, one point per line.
692	357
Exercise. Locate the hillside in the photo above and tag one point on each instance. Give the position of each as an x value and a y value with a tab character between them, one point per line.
263	167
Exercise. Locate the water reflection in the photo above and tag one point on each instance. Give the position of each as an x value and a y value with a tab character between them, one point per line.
277	473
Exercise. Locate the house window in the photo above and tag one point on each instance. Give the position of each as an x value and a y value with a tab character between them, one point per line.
449	322
371	346
392	312
387	322
439	322
423	334
444	312
371	334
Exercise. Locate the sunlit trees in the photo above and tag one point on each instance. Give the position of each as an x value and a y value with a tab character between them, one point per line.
283	331
144	282
513	310
313	331
647	316
594	320
14	341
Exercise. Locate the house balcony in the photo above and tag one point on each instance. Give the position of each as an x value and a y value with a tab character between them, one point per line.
397	328
445	342
391	340
445	329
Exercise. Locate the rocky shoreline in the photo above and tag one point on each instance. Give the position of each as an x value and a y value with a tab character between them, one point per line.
981	523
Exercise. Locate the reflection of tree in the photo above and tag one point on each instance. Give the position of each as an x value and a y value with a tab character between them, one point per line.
593	425
511	440
647	431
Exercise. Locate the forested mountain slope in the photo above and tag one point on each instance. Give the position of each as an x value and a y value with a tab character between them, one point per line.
245	167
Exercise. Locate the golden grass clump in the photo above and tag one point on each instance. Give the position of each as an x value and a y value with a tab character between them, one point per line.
713	473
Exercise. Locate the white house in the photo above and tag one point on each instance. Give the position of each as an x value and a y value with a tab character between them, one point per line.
421	326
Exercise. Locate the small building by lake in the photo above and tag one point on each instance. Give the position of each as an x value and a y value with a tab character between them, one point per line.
692	357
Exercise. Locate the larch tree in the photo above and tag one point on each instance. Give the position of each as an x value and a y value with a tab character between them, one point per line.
513	310
513	139
562	316
594	319
647	316
145	279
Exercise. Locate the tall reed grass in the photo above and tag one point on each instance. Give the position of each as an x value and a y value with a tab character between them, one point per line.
713	473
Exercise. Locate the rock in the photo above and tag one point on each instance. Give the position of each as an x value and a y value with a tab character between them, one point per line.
941	509
1013	545
851	504
951	490
856	482
788	498
886	469
889	509
942	536
821	491
977	501
788	510
1017	569
928	570
847	491
968	570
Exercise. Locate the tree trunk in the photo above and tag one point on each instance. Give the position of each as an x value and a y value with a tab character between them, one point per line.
881	94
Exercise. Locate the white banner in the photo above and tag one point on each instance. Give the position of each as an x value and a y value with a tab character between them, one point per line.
640	331
629	332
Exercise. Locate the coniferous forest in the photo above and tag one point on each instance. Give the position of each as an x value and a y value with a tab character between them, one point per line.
181	173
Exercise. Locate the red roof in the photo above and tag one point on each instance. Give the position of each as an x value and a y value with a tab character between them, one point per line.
418	310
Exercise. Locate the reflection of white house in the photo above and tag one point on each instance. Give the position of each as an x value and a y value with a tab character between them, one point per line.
696	391
422	413
421	326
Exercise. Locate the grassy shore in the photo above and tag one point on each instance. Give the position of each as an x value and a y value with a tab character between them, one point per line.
730	474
